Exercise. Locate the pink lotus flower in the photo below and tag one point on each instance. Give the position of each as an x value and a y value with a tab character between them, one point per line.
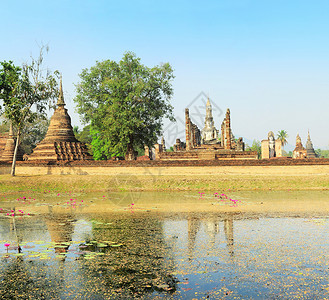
7	245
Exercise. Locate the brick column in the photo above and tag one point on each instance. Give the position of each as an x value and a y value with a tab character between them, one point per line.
187	129
228	129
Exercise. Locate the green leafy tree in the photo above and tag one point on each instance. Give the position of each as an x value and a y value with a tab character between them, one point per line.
84	136
4	125
76	130
282	137
25	92
256	146
124	102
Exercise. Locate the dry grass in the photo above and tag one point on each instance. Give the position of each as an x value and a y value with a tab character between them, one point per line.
176	179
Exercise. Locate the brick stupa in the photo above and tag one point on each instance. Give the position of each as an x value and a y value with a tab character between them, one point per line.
8	152
60	143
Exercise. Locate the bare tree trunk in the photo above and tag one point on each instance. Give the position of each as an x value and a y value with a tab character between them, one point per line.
15	153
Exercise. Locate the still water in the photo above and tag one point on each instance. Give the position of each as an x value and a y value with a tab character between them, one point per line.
165	246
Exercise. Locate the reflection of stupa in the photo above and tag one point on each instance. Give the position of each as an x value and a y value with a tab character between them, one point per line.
60	142
60	231
9	149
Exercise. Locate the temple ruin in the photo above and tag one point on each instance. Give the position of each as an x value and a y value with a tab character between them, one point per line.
271	147
299	151
310	153
3	141
209	134
60	143
207	144
7	154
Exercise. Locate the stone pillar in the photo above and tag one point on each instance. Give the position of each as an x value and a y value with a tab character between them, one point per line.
265	149
163	143
228	130
194	144
278	148
222	138
157	150
187	129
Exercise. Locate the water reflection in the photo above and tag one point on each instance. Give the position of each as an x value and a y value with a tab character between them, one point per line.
76	254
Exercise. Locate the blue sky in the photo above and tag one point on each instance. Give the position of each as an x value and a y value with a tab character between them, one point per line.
268	61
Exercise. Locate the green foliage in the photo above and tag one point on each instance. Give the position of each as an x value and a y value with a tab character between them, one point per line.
282	136
256	146
124	103
33	133
4	126
322	153
25	93
287	154
84	136
75	130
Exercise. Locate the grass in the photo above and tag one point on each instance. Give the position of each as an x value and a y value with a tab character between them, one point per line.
89	183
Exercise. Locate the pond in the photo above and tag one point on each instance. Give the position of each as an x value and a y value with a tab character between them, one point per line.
230	245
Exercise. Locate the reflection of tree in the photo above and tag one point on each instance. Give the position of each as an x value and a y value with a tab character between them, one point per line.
21	278
228	229
140	266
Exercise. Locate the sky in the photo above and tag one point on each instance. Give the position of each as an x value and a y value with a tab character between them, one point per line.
268	61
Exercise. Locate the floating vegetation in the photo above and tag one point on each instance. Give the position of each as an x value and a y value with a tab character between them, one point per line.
63	249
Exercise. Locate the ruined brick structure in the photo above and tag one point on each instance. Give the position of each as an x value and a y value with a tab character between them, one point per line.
271	147
192	132
7	154
3	140
309	147
179	146
227	138
300	151
60	143
205	145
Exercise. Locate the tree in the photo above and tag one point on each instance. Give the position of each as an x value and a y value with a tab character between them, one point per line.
34	133
282	137
124	103
318	152
25	93
256	146
84	136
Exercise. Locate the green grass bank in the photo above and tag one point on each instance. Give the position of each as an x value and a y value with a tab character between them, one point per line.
173	179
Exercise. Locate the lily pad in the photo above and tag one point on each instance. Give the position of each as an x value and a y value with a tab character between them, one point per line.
116	245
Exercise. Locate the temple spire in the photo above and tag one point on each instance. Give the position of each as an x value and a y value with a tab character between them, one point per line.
11	133
60	100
